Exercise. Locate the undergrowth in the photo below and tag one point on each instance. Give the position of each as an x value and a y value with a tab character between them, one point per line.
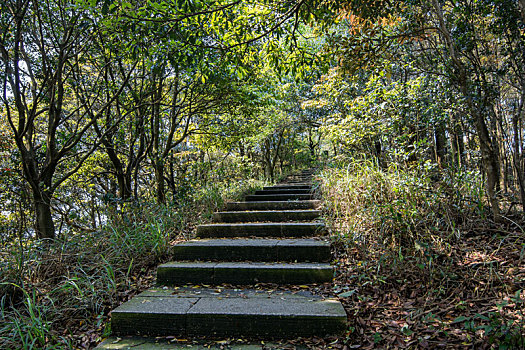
58	294
420	262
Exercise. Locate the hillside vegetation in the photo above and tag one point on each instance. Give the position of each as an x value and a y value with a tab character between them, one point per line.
124	124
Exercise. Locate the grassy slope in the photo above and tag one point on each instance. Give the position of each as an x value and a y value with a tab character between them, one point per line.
420	263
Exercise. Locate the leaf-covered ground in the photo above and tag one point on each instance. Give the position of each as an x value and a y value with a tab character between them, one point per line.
469	297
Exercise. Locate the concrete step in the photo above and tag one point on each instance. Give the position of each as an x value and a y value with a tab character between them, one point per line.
280	229
228	312
284	191
177	272
277	197
266	215
242	249
288	186
273	205
197	343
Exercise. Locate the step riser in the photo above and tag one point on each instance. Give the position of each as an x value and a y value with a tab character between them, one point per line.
283	191
288	187
260	230
272	205
167	275
226	326
247	253
272	216
277	197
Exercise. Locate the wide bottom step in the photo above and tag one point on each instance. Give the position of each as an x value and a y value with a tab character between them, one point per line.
227	312
172	343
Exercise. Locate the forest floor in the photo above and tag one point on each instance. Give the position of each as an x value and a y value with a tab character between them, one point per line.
470	295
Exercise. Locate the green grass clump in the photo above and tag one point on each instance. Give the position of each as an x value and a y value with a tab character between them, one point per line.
399	208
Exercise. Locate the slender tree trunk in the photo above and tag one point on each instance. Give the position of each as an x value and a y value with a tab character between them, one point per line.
490	163
123	179
44	225
159	179
518	156
456	142
440	141
268	171
454	147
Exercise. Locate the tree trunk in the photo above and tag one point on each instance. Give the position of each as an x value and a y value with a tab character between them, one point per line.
517	156
490	163
456	143
440	142
159	179
44	225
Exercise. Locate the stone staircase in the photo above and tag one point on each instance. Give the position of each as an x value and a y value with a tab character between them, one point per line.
272	237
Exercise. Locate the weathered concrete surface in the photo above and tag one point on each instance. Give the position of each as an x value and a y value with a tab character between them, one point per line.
228	312
266	215
271	229
140	315
273	205
186	272
171	343
278	197
253	249
176	272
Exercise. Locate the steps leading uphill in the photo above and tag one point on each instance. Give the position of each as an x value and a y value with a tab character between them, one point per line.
272	237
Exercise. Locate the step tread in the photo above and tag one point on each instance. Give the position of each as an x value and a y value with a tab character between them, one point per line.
255	242
162	343
272	205
253	265
294	196
227	311
287	211
263	224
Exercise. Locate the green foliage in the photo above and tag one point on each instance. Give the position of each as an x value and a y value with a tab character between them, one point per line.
27	326
141	229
